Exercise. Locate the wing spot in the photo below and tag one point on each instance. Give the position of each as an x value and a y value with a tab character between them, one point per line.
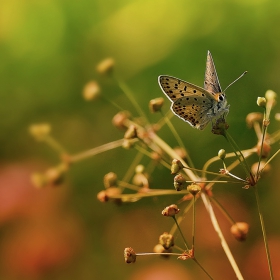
194	91
185	88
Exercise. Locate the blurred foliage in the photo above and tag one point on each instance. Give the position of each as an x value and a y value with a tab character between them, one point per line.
49	51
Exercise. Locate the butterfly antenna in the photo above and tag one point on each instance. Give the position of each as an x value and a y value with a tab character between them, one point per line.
236	80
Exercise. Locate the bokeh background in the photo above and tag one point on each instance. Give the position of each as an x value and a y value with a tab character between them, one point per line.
48	52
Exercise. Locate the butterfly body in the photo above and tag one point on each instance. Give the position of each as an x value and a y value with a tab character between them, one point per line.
196	105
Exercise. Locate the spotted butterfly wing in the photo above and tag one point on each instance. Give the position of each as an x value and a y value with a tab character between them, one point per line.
191	103
211	81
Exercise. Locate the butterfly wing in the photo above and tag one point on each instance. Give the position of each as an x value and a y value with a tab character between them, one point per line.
211	81
191	103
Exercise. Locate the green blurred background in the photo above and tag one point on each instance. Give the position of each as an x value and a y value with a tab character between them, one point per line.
48	52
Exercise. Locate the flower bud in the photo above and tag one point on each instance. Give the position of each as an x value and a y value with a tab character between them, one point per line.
110	180
40	131
194	189
120	119
128	144
261	101
129	255
170	211
131	132
160	249
105	66
240	231
166	240
54	175
91	91
109	193
222	154
139	168
179	182
156	104
176	166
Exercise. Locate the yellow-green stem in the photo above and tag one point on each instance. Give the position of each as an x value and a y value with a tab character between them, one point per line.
185	242
264	233
196	261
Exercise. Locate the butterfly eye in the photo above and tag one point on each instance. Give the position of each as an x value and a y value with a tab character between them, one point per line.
221	97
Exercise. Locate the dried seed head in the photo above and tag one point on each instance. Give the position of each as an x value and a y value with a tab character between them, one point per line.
170	211
261	101
40	131
129	255
120	119
222	154
109	193
176	166
105	66
240	231
166	240
131	132
220	126
160	249
110	180
179	182
194	189
156	104
102	196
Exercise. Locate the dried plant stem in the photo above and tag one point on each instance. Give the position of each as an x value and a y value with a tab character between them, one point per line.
193	226
260	155
54	144
196	261
227	251
264	233
149	193
271	158
240	157
97	150
180	219
131	98
182	235
164	146
223	210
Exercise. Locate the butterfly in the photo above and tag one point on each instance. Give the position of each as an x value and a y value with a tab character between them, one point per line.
195	105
